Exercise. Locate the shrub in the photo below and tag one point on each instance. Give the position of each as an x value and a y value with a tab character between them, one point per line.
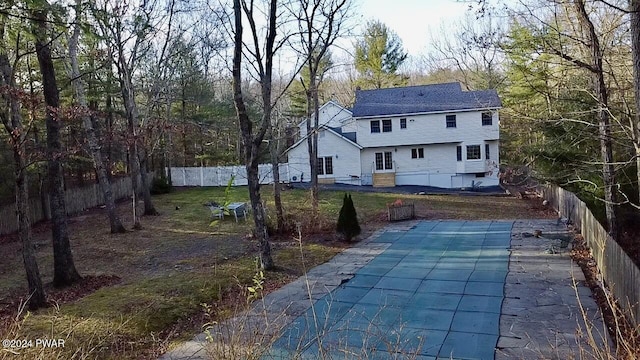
160	185
348	219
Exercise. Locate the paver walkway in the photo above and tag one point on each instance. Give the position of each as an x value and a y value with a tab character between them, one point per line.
422	290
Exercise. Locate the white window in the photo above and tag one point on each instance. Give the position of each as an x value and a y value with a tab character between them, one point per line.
417	153
386	125
325	165
473	152
487	118
375	126
388	160
451	121
384	161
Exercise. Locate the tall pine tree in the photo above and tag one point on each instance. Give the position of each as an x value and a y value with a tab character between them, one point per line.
379	55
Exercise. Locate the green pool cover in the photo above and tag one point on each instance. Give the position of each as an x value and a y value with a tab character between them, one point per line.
435	292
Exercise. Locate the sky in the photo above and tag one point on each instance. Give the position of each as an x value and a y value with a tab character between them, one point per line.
413	20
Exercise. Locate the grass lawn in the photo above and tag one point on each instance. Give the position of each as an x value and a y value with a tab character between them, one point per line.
159	285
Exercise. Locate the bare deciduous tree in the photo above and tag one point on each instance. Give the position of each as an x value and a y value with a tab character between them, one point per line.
320	23
12	120
252	138
65	272
473	49
128	39
634	29
92	139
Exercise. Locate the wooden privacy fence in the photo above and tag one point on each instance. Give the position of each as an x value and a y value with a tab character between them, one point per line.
77	200
617	268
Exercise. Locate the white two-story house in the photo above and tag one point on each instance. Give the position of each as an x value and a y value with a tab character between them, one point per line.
431	135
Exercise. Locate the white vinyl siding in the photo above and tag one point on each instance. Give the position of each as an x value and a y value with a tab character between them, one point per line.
431	129
345	159
332	115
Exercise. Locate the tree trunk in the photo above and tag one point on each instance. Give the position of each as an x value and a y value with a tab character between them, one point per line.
137	156
170	158
253	142
604	123
65	272
134	173
38	298
183	119
13	124
166	147
313	85
321	21
277	196
259	218
110	112
92	139
634	28
149	209
312	138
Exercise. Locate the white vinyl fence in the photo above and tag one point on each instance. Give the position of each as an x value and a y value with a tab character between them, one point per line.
220	175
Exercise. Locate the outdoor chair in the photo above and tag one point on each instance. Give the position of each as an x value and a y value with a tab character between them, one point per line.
217	212
239	209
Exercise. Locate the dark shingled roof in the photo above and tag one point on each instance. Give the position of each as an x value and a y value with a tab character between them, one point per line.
422	99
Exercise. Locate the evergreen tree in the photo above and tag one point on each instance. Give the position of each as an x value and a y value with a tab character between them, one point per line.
348	224
379	55
298	89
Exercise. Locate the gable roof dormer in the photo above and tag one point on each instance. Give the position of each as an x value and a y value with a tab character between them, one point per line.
331	114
